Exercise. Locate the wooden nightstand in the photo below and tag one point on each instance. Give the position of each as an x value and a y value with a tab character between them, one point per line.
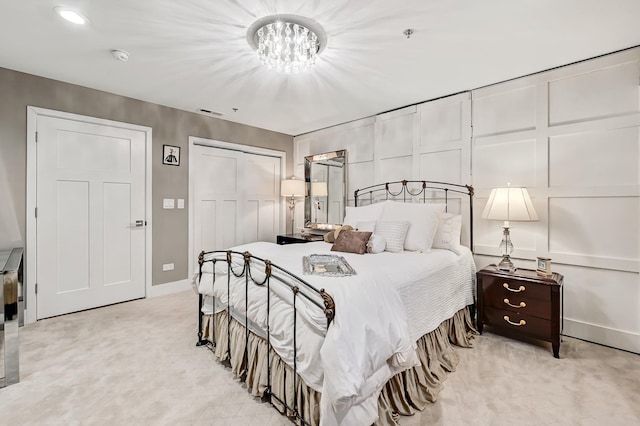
522	302
298	238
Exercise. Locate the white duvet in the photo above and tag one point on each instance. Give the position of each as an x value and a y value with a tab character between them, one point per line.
380	313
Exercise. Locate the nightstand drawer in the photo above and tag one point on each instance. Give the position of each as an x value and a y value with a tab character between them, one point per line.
521	305
525	324
500	288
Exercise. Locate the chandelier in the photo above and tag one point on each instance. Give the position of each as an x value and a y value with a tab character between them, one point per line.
287	43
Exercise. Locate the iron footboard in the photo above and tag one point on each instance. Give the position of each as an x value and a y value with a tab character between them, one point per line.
240	265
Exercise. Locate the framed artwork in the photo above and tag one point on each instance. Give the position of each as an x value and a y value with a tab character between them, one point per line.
171	155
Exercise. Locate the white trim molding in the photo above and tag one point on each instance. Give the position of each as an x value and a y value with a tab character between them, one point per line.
169	288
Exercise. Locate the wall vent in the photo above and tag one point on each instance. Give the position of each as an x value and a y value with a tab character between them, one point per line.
205	111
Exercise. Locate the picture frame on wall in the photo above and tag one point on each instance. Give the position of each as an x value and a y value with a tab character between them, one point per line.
171	155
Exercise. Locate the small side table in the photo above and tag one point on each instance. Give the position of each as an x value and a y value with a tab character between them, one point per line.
298	238
10	307
521	302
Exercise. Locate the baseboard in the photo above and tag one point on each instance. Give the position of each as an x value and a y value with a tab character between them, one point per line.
625	340
169	288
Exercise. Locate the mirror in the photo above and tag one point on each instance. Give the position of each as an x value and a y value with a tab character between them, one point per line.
326	179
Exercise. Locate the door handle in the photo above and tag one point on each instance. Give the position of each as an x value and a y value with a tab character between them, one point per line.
140	223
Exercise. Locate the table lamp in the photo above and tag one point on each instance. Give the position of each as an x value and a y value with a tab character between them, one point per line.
509	204
292	188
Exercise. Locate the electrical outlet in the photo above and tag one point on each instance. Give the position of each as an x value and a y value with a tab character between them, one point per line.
180	203
167	267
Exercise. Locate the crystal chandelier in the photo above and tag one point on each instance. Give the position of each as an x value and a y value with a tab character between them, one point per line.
287	43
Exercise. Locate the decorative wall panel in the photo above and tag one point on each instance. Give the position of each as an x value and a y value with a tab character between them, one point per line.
396	136
359	143
595	226
442	166
496	164
502	112
441	125
605	158
606	92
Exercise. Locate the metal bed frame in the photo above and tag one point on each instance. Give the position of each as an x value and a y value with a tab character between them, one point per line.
299	287
424	185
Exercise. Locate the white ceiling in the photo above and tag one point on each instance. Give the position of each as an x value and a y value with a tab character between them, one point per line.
194	54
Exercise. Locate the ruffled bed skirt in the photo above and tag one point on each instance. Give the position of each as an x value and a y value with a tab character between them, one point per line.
404	394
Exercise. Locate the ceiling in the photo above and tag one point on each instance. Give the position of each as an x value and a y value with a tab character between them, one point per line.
194	54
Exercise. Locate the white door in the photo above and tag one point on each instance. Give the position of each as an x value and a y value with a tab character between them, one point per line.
236	198
262	194
90	193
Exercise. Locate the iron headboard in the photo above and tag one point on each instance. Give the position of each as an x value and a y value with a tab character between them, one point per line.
386	189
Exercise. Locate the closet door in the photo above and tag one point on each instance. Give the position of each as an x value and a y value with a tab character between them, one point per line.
261	181
218	198
236	198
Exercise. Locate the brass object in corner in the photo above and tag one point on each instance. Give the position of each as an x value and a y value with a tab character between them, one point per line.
267	268
329	305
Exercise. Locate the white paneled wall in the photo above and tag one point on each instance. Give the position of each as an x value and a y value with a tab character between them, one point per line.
430	141
571	135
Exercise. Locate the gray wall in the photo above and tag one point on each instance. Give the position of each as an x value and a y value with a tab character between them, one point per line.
170	126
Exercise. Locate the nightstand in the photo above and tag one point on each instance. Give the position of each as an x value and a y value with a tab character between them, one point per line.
298	238
521	302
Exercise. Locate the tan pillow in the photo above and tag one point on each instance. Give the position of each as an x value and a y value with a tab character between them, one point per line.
351	242
330	237
340	229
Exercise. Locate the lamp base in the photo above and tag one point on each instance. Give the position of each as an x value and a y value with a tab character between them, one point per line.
506	264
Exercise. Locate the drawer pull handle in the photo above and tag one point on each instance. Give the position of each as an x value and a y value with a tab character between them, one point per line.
522	322
519	290
521	305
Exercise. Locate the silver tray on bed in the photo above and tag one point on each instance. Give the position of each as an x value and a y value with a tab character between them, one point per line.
327	265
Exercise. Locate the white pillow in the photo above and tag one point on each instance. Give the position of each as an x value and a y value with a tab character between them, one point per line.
423	223
394	233
362	214
376	244
448	233
368	226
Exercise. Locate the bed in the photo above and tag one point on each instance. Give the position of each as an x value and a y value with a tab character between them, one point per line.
360	348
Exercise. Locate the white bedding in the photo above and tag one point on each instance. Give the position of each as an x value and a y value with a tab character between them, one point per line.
394	299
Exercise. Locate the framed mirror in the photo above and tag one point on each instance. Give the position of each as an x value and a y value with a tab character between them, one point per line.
326	179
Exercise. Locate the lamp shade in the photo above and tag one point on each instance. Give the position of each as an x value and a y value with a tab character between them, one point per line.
510	204
292	188
319	189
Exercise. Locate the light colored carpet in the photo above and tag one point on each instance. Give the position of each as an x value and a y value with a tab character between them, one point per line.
136	364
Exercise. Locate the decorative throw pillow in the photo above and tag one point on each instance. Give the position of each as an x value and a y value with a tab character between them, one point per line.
352	242
362	214
423	223
376	244
340	229
330	237
394	233
448	233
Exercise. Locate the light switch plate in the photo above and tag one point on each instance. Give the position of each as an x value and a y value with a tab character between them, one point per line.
168	203
180	203
167	267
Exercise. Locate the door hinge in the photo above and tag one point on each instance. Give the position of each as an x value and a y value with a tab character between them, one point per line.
36	288
36	137
36	213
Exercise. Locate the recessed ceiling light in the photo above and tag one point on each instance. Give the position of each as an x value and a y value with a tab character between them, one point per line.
71	15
